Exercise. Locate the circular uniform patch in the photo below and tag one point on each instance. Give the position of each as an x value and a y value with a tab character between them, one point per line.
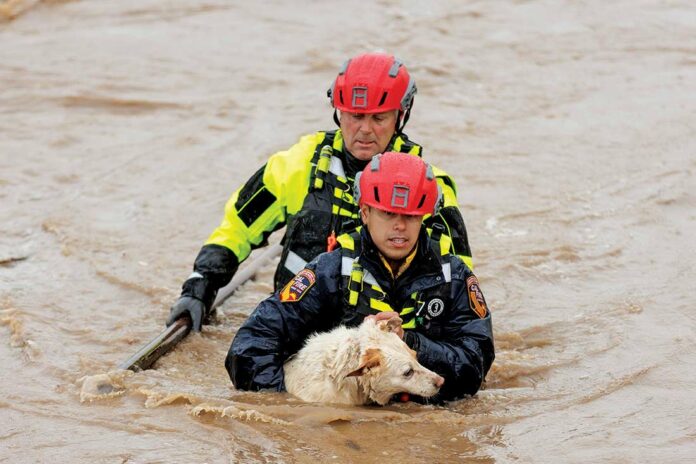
476	301
435	307
298	286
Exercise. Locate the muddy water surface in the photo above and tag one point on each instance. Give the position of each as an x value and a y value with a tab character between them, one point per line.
569	127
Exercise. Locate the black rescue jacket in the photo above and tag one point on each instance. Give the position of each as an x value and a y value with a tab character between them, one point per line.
455	341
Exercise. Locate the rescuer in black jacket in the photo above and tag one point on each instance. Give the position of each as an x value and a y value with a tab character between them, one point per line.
390	265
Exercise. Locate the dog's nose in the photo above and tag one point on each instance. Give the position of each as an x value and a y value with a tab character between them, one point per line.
439	381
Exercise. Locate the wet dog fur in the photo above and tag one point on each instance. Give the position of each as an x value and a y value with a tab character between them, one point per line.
355	366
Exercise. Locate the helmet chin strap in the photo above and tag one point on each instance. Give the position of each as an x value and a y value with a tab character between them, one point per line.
335	118
407	114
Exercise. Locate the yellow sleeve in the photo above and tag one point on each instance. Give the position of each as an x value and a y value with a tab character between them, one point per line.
263	204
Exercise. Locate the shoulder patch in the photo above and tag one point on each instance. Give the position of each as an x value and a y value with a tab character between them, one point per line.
298	286
476	301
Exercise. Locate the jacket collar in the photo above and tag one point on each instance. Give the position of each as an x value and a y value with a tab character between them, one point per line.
425	263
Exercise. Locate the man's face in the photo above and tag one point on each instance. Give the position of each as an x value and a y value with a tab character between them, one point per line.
395	235
365	135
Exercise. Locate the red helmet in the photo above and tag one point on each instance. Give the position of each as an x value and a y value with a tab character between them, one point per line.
372	83
398	183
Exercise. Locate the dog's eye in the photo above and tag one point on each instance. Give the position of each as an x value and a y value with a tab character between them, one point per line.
409	372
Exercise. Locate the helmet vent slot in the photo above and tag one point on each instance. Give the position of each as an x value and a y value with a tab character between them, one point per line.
384	97
376	190
422	200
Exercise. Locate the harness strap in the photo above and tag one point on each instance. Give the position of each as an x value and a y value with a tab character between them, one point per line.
355	283
323	165
362	282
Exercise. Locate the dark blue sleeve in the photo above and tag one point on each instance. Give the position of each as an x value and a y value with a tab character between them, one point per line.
275	329
464	351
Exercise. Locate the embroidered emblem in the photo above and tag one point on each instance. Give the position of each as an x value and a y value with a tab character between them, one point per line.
476	301
298	286
435	307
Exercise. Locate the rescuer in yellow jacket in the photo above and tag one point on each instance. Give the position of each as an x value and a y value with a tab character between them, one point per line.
308	187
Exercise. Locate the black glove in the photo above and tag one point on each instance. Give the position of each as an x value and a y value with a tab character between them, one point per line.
193	306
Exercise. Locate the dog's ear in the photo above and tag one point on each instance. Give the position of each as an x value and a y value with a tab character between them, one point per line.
390	325
371	359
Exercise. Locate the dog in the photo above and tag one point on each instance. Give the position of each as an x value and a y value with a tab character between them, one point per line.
357	366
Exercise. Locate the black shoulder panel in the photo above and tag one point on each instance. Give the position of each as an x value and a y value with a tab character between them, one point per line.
254	198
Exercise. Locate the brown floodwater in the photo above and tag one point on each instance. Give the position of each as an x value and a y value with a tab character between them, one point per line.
569	126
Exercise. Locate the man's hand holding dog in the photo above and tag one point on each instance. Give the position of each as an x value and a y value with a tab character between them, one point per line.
385	316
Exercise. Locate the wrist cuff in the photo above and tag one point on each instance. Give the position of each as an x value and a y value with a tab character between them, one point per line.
199	288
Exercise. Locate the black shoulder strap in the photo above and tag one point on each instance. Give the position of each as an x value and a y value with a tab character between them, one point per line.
321	160
435	236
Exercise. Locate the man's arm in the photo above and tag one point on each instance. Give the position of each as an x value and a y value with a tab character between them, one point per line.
464	351
279	325
252	213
